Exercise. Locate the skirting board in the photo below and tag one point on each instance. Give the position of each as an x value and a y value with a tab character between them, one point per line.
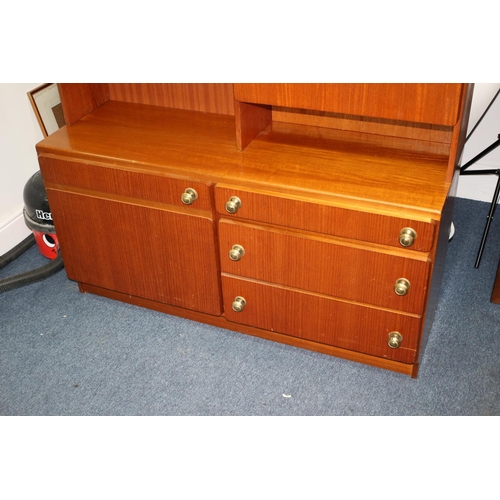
13	230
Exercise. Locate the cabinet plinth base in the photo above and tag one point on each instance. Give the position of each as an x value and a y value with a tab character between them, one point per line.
221	322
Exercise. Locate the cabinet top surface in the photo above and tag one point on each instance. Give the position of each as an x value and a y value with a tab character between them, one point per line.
289	159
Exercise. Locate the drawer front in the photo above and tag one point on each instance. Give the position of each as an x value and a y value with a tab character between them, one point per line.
113	180
322	218
321	319
325	265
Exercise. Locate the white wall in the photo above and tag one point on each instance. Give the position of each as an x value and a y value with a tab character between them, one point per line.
481	187
19	132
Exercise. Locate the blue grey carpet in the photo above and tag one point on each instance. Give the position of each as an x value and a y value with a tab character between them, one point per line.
67	353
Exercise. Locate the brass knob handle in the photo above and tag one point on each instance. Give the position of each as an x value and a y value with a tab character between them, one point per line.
189	196
394	340
239	304
237	252
402	286
407	237
233	204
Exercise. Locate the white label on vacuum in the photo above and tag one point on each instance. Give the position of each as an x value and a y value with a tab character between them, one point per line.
40	214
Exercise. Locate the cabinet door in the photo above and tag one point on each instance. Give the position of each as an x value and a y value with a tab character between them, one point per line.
144	251
331	266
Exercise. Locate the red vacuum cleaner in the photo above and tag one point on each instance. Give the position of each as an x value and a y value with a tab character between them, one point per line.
38	218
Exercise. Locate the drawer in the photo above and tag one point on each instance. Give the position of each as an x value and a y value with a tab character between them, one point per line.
321	319
297	213
331	266
152	187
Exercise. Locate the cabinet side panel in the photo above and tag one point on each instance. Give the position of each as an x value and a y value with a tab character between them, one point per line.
80	99
459	133
206	97
250	120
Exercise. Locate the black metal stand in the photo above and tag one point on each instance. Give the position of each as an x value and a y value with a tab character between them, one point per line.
494	201
464	171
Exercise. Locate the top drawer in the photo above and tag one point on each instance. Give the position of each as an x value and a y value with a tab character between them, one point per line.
112	180
327	219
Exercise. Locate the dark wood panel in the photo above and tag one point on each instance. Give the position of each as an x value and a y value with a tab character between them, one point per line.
321	217
206	97
411	102
495	294
321	319
155	254
327	266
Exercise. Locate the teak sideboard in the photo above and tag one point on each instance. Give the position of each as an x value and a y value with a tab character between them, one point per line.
316	215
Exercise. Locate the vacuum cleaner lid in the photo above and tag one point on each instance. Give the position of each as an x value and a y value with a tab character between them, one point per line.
37	214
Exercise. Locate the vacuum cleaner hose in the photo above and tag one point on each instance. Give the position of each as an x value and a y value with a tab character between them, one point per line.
32	276
19	249
19	280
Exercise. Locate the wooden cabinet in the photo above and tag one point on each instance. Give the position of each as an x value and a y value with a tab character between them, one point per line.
311	214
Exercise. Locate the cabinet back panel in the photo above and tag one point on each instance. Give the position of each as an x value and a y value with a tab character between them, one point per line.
418	137
206	97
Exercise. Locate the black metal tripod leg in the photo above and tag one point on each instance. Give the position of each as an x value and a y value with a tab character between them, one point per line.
488	222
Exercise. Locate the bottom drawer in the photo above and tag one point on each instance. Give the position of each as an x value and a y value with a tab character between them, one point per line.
321	319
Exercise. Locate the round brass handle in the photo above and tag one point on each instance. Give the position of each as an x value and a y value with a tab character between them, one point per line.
239	304
237	252
394	340
407	237
402	286
189	196
233	204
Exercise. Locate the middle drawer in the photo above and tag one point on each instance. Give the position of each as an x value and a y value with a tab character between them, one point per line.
346	269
